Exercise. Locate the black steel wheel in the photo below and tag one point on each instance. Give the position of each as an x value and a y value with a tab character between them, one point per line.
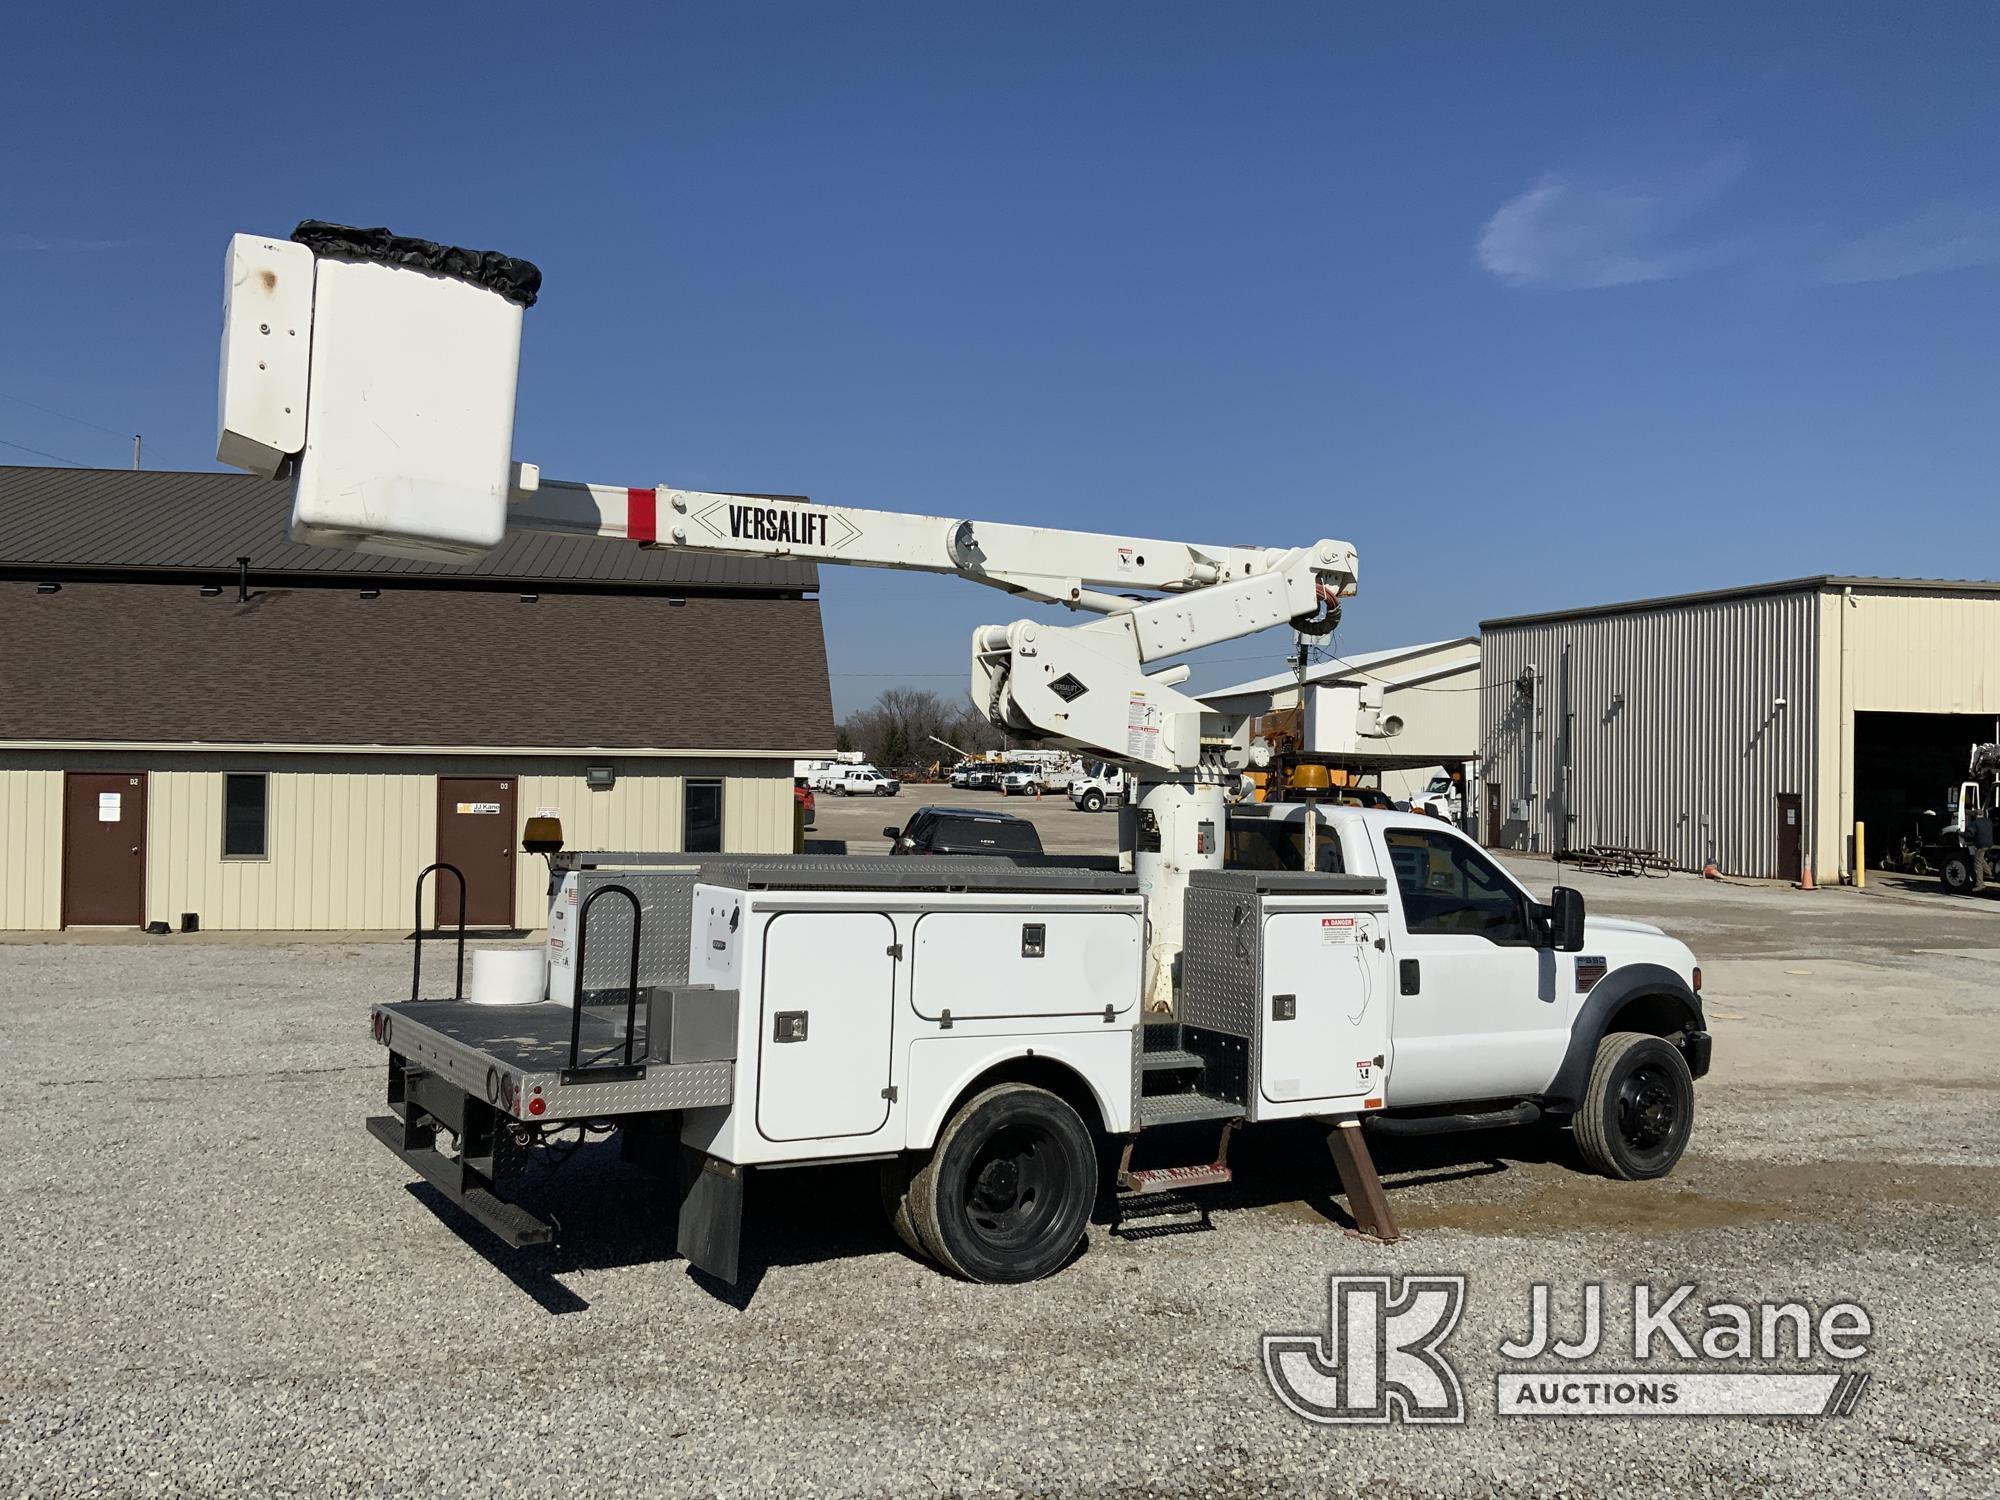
1960	873
1638	1109
1008	1189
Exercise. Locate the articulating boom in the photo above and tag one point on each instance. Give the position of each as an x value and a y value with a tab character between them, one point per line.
379	372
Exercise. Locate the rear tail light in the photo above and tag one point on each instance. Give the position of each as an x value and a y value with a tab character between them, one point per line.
375	1024
1697	979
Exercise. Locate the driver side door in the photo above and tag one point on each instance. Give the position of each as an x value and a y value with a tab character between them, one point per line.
1477	1011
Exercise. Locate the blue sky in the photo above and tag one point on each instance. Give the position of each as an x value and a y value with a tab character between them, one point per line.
1536	305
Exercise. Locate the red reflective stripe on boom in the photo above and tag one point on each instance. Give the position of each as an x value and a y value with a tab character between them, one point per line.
642	515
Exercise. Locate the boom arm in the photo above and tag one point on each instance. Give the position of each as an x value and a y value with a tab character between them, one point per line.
379	373
1058	567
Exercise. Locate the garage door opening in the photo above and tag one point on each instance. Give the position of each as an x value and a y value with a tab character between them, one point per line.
1905	768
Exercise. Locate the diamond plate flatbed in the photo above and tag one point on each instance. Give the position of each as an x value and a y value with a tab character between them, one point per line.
479	1048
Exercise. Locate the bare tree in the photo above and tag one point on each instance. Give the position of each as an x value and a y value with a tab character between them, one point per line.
902	726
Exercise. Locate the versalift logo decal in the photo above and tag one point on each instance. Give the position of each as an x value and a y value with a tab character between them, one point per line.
1383	1359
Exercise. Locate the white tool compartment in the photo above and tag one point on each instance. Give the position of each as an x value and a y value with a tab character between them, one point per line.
1285	989
409	413
978	964
828	1011
1327	1005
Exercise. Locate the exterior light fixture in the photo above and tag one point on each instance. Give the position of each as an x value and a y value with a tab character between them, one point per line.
600	778
48	588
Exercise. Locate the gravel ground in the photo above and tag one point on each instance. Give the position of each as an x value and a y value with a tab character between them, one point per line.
219	1284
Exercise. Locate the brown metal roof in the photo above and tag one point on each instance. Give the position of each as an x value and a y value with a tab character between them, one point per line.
1818	583
157	663
105	521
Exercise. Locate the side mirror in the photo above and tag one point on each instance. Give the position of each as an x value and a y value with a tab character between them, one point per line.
892	834
1566	919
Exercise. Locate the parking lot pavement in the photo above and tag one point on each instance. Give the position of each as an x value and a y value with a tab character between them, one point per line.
859	821
218	1284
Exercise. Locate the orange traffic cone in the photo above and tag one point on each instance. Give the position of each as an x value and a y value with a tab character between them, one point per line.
1805	879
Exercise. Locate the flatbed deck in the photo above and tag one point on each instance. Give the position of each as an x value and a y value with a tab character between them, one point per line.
483	1049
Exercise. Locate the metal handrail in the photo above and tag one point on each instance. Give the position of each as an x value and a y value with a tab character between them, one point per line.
417	933
582	973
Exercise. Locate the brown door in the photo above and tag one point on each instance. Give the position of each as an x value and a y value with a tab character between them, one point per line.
476	833
104	849
1791	837
1493	815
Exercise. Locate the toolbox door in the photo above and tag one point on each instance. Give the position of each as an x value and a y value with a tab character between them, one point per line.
823	1036
1326	1007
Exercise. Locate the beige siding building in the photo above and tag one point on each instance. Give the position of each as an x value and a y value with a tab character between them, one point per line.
283	744
1752	728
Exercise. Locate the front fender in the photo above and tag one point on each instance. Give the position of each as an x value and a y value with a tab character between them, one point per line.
1672	1004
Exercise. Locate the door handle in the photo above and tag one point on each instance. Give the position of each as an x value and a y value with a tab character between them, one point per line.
1410	974
788	1026
135	848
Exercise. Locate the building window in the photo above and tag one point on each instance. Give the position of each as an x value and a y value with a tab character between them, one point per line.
245	800
701	819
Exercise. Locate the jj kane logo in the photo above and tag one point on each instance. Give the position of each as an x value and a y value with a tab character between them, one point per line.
1382	1356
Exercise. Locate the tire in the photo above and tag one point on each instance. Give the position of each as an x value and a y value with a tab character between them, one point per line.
1638	1108
1960	874
1007	1192
1093	801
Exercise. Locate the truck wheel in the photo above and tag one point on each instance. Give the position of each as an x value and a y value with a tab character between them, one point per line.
1638	1107
1008	1189
1093	801
1961	874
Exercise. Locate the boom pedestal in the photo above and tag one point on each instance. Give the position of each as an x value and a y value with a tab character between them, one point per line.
1176	828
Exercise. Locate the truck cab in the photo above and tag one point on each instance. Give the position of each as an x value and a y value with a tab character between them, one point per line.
1499	995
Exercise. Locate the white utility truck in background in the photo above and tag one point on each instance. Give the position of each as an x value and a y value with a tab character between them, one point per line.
1002	1036
1100	785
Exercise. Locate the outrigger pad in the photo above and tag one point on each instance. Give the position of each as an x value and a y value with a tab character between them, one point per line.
513	278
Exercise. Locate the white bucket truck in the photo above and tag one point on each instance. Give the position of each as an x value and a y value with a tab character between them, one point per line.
988	1031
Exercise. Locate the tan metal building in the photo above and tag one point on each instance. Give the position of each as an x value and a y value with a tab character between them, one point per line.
202	720
1748	727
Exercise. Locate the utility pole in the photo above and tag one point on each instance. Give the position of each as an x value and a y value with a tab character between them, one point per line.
135	450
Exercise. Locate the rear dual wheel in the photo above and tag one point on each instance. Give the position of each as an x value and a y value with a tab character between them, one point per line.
1961	874
1005	1194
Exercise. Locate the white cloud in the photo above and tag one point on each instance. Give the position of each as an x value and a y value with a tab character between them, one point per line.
1564	234
1952	238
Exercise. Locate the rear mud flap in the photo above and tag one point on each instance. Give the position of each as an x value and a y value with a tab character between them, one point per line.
711	1221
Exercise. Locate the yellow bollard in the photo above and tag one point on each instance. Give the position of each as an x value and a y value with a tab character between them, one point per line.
1860	855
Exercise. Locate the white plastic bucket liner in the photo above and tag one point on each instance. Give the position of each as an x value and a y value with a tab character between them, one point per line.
507	976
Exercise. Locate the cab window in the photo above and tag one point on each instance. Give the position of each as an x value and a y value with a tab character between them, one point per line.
1449	887
1278	844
